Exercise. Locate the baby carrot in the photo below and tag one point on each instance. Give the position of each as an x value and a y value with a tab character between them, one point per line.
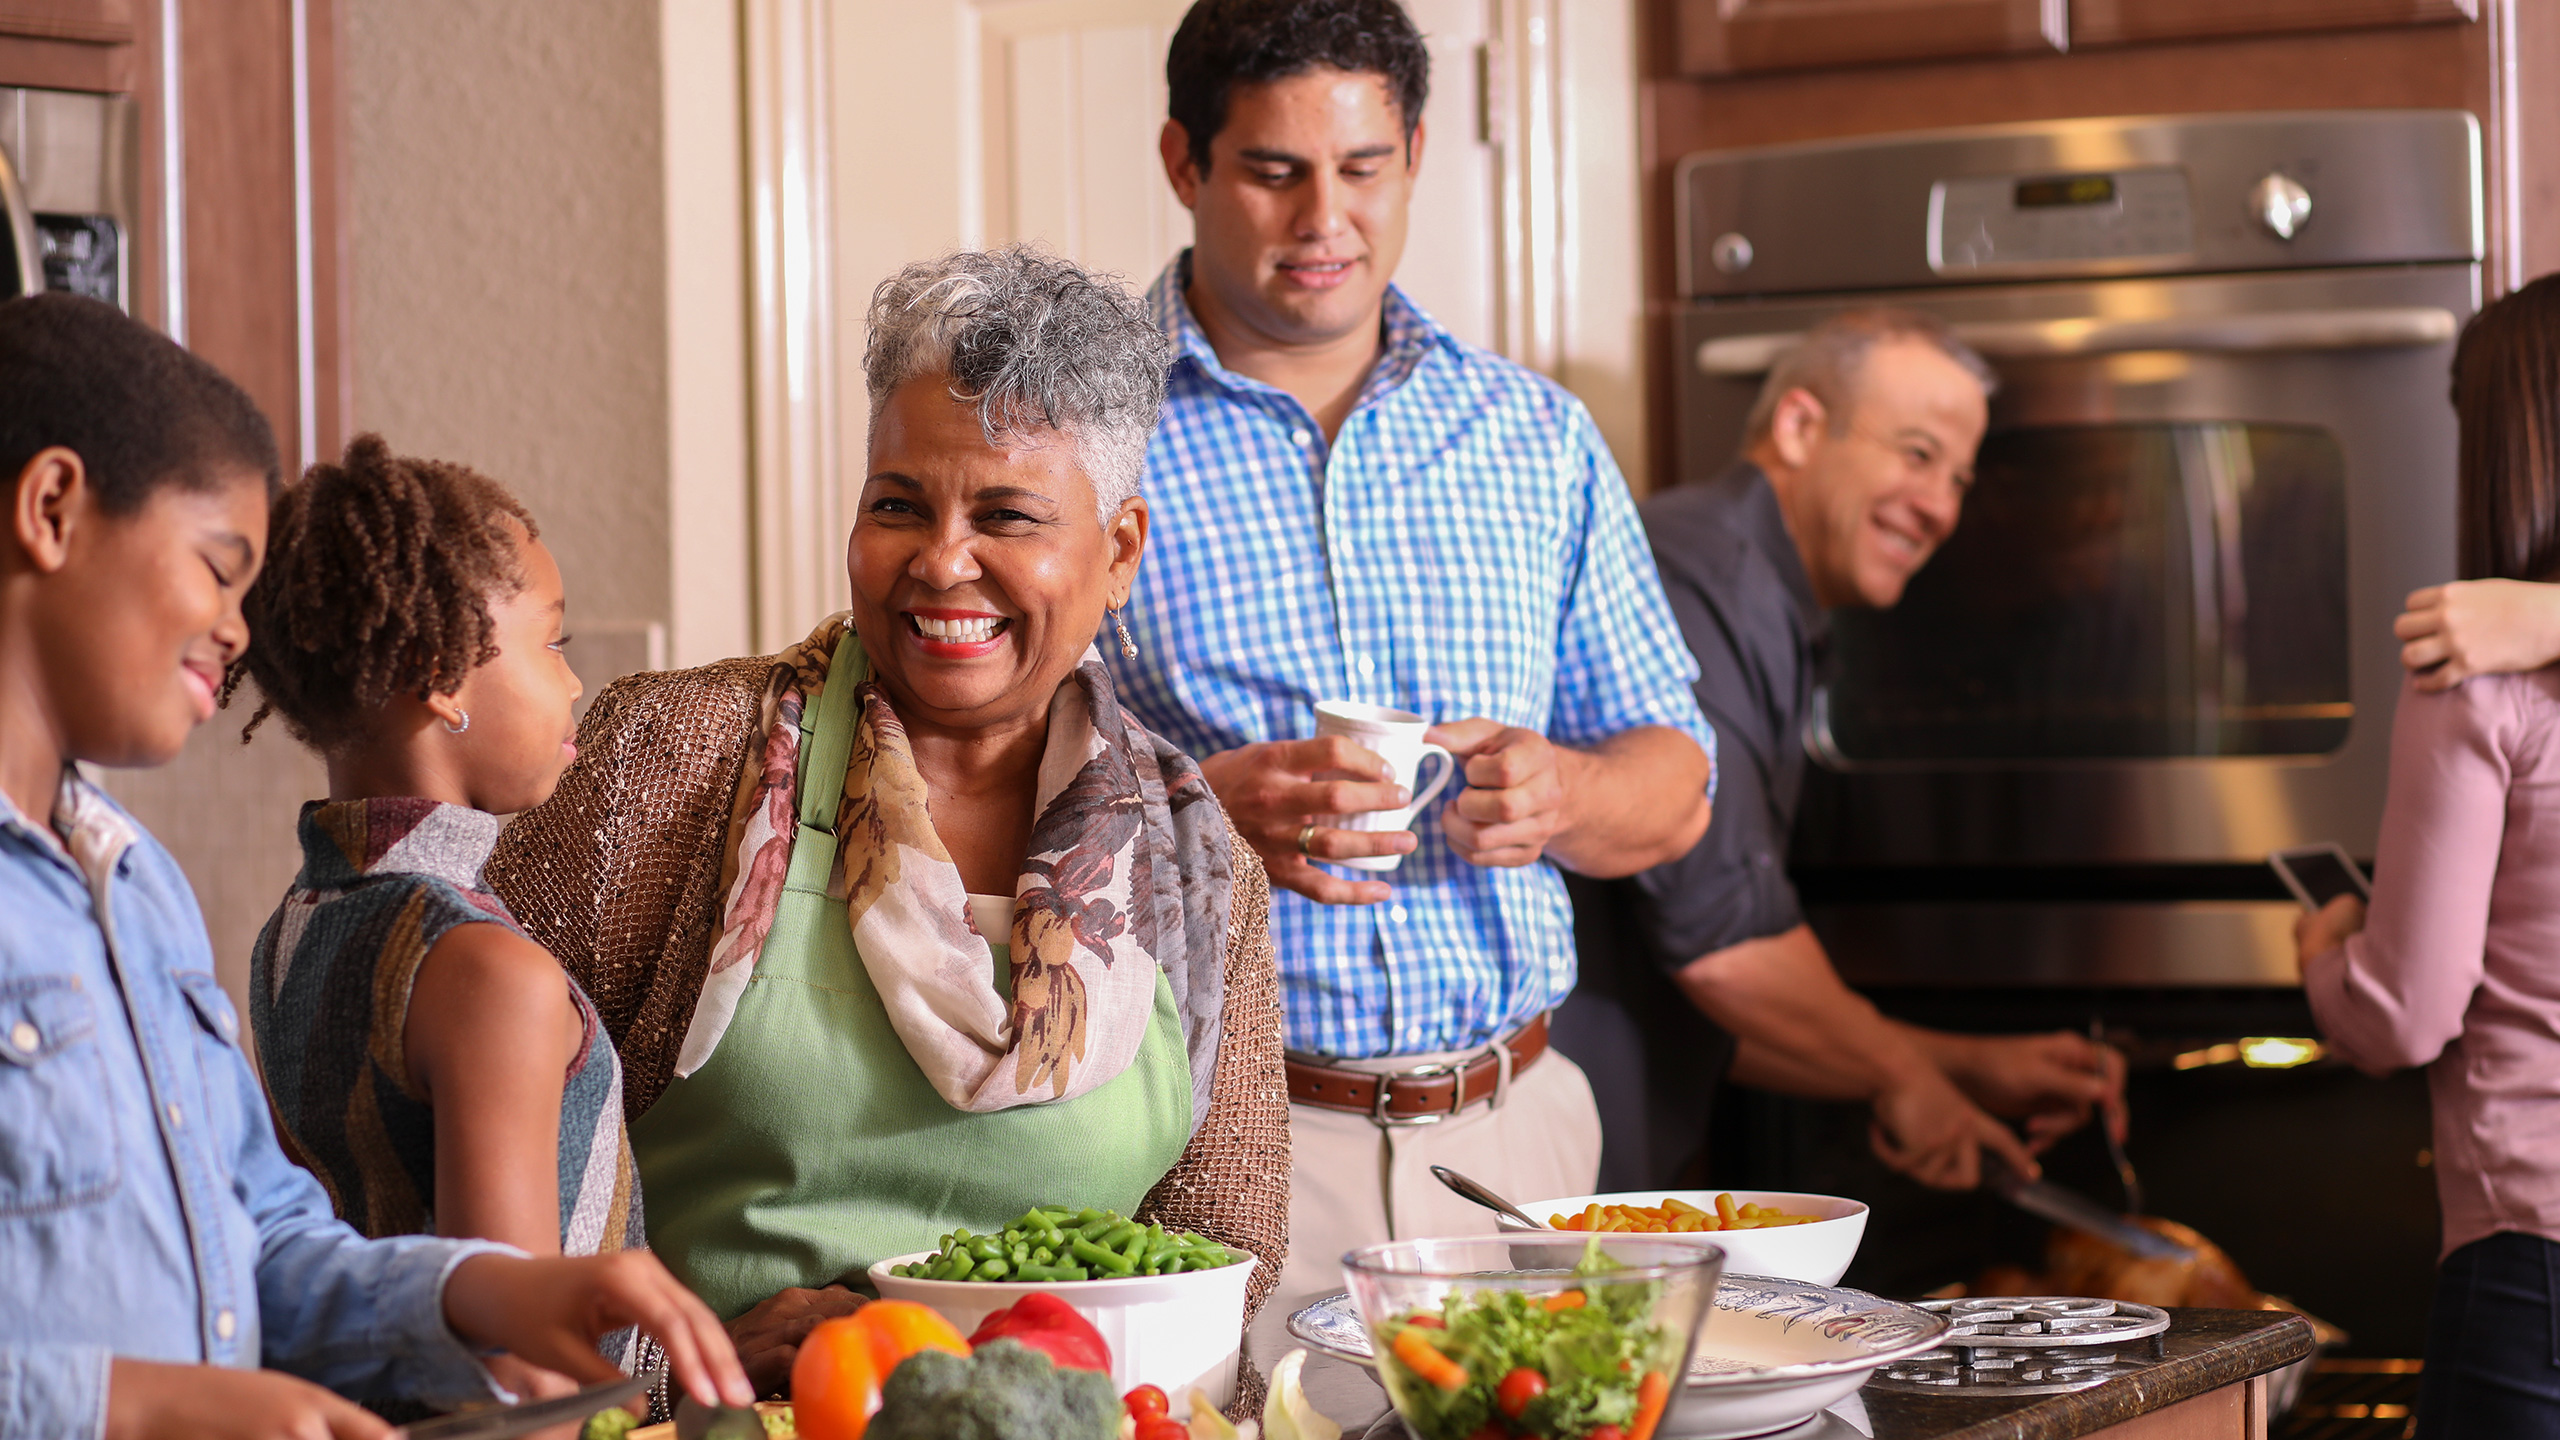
1653	1396
1424	1359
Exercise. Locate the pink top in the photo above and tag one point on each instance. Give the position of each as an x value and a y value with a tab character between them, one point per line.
2458	967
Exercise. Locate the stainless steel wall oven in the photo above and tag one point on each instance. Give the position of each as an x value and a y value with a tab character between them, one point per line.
2159	644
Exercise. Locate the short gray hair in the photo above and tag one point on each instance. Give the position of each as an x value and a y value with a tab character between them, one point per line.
1827	361
1035	343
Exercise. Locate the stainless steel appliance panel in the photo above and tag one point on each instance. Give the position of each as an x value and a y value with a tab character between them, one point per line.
77	162
2183	195
2383	403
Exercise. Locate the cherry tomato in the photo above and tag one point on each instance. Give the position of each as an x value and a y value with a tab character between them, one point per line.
1605	1432
1428	1322
1157	1427
1517	1389
1147	1400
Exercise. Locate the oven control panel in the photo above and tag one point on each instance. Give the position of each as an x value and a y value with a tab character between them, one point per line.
2019	224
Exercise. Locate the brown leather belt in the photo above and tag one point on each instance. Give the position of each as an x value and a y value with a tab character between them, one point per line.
1416	1097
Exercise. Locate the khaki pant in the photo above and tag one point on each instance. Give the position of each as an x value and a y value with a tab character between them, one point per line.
1354	1182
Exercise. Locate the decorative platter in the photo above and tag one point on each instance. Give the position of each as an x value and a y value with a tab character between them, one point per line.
1774	1353
2031	1345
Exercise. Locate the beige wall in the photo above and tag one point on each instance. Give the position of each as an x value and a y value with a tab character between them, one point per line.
508	242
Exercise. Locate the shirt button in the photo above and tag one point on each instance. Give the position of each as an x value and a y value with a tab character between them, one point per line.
226	1324
176	1116
1396	913
1300	438
25	1037
1368	666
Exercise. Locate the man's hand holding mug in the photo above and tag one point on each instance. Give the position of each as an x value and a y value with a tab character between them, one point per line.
1345	797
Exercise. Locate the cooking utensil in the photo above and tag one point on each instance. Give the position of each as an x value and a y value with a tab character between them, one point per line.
2115	1148
507	1421
2079	1212
697	1421
1476	1191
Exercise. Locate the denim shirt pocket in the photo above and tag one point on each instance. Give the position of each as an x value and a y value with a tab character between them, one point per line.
58	1143
218	1056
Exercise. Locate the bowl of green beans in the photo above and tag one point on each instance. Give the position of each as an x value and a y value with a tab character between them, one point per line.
1169	1303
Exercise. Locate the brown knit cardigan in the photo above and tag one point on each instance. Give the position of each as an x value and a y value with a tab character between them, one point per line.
618	874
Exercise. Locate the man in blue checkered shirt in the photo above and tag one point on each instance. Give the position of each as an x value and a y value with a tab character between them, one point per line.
1350	504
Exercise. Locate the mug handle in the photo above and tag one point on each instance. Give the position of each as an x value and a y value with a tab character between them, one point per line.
1440	782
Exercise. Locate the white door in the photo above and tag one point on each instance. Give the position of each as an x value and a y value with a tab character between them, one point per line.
1074	97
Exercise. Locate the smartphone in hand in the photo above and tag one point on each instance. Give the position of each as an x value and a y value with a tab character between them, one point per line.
2318	874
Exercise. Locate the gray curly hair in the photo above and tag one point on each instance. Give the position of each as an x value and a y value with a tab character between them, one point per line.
1035	343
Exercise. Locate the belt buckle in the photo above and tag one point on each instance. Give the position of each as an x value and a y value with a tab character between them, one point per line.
1457	1095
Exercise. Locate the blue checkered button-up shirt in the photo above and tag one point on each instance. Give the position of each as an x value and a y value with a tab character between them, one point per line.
1464	548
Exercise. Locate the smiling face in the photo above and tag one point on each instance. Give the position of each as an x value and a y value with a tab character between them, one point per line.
979	574
522	702
1869	506
1300	218
140	613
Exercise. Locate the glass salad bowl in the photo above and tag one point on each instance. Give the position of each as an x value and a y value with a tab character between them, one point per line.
1562	1337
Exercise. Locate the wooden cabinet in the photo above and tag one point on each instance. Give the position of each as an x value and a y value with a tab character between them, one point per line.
256	232
1730	37
1736	37
2116	22
68	44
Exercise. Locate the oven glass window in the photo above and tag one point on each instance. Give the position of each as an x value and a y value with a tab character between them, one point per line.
2114	591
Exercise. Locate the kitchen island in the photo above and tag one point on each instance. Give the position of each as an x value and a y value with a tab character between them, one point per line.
2211	1385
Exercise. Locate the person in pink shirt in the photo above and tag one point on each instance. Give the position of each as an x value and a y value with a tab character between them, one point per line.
2456	966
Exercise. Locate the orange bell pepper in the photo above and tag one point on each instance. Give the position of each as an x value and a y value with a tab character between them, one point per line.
836	1379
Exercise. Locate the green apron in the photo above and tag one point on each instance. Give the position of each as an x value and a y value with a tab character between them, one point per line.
810	1144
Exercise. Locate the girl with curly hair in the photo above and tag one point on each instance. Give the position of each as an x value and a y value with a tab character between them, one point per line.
433	1066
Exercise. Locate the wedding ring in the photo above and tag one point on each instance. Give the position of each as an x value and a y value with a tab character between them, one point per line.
1303	837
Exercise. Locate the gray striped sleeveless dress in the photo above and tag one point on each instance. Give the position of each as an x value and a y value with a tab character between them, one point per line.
382	880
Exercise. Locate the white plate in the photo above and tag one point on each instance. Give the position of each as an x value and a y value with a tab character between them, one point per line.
1775	1353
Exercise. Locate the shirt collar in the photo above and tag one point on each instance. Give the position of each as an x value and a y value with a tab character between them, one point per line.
1755	503
86	827
1411	336
344	841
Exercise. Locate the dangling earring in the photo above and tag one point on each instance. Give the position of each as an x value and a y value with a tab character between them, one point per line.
452	729
1128	647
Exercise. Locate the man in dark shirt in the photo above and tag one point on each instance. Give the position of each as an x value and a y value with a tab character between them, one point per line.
1854	466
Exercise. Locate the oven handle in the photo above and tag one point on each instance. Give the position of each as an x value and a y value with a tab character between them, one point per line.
22	233
2373	328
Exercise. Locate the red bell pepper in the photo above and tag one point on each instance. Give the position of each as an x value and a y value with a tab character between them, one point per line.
1045	1323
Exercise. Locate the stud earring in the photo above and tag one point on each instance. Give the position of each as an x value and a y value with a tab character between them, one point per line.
1128	647
452	729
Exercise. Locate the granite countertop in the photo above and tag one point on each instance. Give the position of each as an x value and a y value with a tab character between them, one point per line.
2207	1349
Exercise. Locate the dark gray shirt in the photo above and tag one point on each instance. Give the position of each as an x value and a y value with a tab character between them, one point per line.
1746	608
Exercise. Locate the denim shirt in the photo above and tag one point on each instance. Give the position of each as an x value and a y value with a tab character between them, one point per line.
145	1208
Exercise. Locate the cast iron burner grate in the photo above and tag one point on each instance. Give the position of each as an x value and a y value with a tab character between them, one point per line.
2354	1399
2032	1345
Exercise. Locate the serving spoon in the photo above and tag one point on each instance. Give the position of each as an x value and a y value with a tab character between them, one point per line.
1477	1192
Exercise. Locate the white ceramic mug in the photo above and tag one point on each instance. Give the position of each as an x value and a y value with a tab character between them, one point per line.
1396	735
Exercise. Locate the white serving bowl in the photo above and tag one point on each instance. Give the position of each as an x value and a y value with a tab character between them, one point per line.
1172	1331
1818	1252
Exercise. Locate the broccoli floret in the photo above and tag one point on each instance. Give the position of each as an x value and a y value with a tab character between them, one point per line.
1005	1391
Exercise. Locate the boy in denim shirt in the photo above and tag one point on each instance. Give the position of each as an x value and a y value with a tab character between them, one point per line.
156	1247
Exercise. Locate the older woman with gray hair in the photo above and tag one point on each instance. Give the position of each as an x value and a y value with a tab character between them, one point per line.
909	928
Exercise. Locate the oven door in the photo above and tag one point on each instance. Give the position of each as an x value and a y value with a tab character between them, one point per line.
2162	632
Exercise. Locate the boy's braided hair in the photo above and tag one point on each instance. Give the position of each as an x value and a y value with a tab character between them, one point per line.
379	574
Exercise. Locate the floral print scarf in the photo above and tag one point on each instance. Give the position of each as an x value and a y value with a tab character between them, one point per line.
1100	909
